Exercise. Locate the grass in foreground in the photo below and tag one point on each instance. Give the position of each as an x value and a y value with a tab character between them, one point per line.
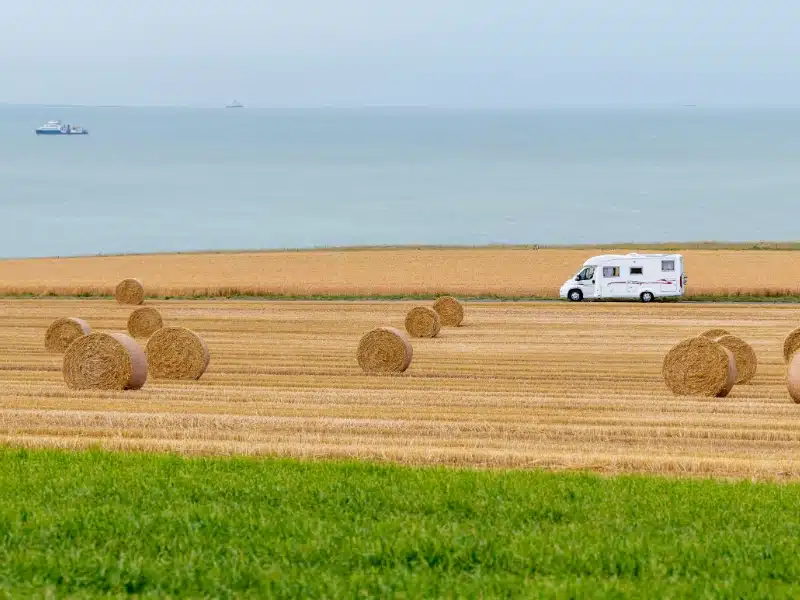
85	524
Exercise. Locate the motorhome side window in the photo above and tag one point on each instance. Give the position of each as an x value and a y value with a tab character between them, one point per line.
667	265
587	273
636	270
610	271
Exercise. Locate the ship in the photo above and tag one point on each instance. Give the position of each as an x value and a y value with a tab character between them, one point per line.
59	128
234	104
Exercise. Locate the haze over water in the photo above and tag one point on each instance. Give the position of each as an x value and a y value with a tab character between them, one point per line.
170	179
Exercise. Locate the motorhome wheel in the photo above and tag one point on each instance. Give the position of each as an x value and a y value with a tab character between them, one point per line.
575	295
647	296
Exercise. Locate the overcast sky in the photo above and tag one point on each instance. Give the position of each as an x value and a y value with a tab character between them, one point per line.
350	53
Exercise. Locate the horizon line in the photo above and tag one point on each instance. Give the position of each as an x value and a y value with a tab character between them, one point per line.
761	245
431	107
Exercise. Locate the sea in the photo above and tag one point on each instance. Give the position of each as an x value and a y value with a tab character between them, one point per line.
186	179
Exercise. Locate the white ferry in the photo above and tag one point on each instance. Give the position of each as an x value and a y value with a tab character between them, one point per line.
59	128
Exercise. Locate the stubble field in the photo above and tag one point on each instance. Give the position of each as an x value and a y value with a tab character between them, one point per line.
551	385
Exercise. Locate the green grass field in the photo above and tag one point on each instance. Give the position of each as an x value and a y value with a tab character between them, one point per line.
103	524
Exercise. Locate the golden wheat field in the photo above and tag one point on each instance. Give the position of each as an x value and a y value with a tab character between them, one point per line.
373	272
553	385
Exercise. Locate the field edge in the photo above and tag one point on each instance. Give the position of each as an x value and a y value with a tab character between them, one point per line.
14	449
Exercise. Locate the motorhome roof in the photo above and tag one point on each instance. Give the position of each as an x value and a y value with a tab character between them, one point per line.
604	257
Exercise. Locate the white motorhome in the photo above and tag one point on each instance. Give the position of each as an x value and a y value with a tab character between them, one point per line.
618	276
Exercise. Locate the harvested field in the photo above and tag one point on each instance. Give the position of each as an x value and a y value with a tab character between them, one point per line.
507	272
519	385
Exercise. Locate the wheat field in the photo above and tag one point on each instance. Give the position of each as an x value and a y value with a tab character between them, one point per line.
508	272
552	385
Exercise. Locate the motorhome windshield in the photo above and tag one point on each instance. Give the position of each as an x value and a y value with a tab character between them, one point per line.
584	274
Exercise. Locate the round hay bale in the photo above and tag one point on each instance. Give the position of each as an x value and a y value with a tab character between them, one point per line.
743	355
791	344
423	322
144	322
793	378
714	333
384	350
451	313
177	353
105	361
699	367
62	332
129	291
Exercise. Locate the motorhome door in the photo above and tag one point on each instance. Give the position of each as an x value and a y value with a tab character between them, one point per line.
585	280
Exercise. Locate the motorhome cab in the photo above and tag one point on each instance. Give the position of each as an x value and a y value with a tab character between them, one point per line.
640	276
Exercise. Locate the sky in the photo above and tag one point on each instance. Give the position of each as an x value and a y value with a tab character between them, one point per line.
433	53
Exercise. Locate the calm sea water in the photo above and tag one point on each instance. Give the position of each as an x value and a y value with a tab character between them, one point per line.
149	179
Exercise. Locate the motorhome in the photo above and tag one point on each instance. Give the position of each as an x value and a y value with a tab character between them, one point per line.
642	277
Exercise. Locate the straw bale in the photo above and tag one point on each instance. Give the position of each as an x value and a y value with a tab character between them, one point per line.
791	344
699	367
144	322
793	378
384	350
713	334
105	361
743	355
62	332
423	321
451	313
177	353
129	291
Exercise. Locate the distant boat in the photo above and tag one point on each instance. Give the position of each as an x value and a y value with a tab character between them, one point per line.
235	104
59	128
